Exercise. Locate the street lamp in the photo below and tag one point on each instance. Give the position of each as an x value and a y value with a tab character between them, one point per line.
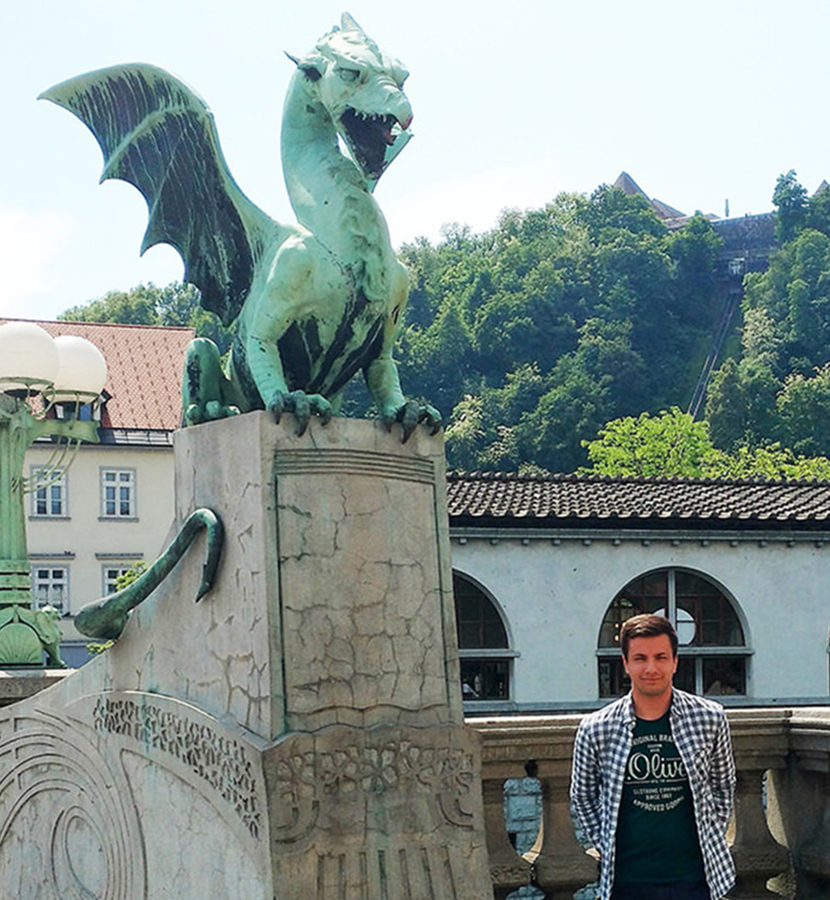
45	383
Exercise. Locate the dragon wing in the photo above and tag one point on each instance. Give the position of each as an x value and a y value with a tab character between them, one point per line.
158	135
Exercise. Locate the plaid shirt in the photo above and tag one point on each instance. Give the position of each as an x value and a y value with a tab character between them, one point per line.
701	733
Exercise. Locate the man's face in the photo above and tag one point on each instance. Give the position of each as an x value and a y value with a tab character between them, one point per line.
650	665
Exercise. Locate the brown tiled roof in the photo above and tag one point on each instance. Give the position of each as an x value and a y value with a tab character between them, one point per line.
144	377
597	501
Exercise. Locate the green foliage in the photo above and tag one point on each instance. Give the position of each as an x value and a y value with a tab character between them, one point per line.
176	304
673	445
668	445
132	574
532	335
790	198
803	406
777	391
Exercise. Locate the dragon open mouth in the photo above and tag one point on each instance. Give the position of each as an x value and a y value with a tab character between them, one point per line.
369	138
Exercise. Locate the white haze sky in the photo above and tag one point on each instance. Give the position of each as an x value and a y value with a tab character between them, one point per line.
514	102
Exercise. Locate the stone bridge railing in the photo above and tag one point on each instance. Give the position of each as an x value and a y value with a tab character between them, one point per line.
780	831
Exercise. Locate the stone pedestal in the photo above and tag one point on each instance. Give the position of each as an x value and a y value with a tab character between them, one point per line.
296	734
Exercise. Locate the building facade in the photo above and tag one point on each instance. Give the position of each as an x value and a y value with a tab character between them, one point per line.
110	507
547	568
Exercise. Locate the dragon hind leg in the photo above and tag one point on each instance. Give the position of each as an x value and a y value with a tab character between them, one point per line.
206	391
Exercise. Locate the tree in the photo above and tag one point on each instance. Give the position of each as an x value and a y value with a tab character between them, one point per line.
583	310
803	407
673	445
176	304
137	306
726	408
668	445
775	391
790	198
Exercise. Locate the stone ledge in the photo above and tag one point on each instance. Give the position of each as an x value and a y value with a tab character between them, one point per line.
18	684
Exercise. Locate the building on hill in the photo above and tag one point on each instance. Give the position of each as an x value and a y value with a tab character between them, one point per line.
747	244
670	216
546	568
113	506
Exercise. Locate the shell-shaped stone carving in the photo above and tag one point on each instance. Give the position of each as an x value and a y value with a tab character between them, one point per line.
20	643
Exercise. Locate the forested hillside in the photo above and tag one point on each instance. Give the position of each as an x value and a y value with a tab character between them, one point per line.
778	388
531	337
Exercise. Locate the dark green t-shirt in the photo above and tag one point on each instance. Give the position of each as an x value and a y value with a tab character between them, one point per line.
656	832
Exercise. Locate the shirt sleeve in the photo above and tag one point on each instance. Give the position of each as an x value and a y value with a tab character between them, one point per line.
722	774
586	781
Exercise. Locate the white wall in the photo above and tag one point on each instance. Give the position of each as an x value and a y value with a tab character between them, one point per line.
555	598
86	535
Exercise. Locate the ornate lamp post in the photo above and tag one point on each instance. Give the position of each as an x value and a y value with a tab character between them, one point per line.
44	384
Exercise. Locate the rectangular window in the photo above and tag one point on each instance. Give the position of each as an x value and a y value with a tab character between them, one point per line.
111	576
485	679
50	587
118	494
50	501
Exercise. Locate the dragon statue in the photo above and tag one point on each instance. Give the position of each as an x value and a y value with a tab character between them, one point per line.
313	303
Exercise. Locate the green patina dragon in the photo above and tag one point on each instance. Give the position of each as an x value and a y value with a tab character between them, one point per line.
313	303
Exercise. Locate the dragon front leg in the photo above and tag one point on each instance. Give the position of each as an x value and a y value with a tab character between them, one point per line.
384	385
265	365
106	618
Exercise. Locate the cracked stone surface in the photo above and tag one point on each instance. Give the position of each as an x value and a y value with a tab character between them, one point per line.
296	733
363	583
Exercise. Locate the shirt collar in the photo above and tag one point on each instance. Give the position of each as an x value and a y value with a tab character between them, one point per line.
675	707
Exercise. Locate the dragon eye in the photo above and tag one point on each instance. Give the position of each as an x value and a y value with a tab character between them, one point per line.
349	75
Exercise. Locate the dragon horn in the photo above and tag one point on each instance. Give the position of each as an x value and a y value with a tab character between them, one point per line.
311	66
347	23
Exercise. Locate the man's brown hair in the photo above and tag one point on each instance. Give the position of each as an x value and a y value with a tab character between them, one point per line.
646	625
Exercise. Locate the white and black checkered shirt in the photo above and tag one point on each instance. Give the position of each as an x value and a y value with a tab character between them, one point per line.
701	733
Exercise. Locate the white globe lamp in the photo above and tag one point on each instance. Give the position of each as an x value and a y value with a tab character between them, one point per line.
28	358
82	369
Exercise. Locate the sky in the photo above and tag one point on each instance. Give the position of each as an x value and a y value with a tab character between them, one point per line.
700	102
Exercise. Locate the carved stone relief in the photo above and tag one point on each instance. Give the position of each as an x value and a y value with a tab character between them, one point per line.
385	812
68	828
218	760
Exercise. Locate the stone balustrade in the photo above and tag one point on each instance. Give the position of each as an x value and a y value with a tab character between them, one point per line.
780	832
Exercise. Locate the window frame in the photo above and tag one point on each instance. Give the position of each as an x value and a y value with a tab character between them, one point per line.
698	653
64	607
132	485
487	657
60	481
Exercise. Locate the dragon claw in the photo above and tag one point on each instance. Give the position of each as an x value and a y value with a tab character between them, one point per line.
302	405
197	413
412	414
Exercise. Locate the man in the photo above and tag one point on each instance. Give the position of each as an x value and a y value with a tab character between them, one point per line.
653	780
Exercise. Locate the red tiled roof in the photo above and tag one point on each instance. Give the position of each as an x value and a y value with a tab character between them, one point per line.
144	371
557	500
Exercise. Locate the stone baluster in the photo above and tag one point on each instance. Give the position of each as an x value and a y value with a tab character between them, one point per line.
507	869
812	858
759	739
563	865
758	856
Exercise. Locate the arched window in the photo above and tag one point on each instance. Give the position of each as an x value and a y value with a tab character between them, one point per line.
712	653
483	646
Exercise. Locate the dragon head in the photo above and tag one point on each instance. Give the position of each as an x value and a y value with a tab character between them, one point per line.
361	88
